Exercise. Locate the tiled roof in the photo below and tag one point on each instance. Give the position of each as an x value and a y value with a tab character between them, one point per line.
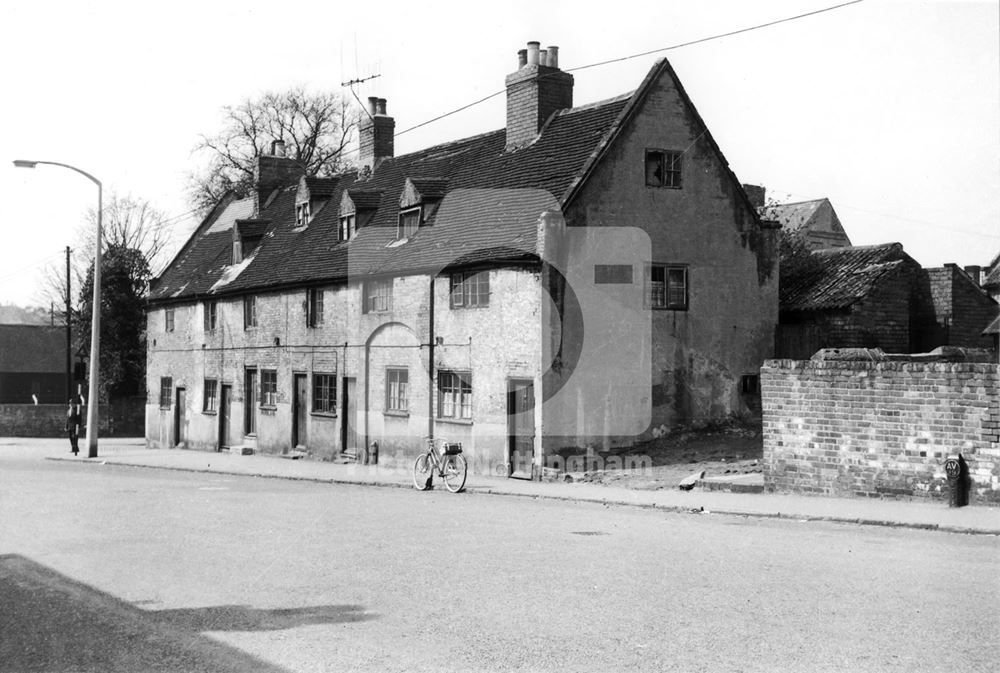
490	210
993	327
993	277
32	349
841	277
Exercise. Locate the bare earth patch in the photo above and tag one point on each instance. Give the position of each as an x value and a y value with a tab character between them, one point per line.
729	450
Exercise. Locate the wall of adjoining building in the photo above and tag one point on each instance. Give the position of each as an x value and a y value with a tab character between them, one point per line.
871	429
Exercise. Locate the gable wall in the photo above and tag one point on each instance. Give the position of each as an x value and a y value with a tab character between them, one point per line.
698	355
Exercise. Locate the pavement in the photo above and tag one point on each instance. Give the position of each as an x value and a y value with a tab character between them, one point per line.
702	500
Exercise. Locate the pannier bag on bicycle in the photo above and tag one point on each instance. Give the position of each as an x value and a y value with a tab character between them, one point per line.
453	449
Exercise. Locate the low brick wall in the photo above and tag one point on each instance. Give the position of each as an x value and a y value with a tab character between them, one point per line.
880	429
123	418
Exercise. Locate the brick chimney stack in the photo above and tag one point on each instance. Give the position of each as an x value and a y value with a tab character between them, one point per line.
534	91
274	171
377	134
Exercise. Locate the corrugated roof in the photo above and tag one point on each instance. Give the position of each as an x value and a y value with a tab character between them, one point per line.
32	349
841	277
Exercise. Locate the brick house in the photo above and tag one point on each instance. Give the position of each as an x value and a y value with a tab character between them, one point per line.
578	278
879	297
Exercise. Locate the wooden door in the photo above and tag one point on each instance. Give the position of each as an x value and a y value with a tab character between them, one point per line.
180	420
521	428
300	413
349	417
225	412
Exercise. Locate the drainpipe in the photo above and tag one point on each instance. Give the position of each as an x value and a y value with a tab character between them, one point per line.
364	447
430	365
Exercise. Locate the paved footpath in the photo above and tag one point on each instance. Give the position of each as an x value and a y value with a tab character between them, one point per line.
932	516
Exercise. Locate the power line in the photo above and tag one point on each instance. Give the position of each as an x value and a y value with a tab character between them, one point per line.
33	265
646	53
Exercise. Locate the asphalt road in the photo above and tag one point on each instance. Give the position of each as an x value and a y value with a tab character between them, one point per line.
117	569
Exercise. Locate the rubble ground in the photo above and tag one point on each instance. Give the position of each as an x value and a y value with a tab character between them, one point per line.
731	449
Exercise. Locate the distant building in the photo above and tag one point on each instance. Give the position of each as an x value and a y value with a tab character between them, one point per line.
32	363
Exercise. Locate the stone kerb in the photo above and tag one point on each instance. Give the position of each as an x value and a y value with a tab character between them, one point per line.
880	427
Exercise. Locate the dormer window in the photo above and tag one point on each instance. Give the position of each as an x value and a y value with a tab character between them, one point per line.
418	203
302	214
357	208
247	235
409	222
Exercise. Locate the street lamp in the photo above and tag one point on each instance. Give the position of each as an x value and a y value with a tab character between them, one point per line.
95	324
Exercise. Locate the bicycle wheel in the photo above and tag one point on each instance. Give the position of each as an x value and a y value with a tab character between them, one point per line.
454	473
423	473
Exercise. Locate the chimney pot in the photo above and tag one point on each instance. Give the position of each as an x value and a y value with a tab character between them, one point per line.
533	53
277	148
553	56
372	106
522	58
380	107
543	57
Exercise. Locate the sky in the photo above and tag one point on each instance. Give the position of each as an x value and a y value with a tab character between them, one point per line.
889	108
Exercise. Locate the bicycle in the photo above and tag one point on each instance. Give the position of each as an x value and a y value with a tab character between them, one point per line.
450	465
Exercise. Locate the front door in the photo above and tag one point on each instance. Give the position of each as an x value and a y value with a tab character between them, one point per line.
225	406
521	428
349	412
180	422
300	411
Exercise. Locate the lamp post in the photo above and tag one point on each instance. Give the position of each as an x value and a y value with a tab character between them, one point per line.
95	324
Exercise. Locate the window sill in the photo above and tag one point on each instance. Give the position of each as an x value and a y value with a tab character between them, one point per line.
163	408
455	421
668	308
396	414
210	412
323	414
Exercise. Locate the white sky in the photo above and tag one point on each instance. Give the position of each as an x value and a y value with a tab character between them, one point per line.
889	108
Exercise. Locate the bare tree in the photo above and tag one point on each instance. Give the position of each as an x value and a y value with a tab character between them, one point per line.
128	223
315	127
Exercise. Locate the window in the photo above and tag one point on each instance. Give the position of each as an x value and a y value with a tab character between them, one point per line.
168	319
302	214
249	311
166	390
667	287
211	403
211	315
348	227
314	307
377	296
397	390
470	289
663	169
268	387
608	274
409	222
325	393
455	395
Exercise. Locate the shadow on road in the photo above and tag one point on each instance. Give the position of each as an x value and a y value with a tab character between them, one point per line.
49	622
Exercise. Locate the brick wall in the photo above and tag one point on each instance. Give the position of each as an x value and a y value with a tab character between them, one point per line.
121	419
879	429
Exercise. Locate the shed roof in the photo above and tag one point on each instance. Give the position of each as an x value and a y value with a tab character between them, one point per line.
32	349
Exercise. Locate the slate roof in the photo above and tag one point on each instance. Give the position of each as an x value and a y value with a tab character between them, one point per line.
32	349
843	276
992	279
793	216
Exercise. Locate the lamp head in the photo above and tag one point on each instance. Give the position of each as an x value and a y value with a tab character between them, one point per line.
22	163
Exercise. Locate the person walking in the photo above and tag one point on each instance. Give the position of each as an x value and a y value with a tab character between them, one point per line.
73	420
